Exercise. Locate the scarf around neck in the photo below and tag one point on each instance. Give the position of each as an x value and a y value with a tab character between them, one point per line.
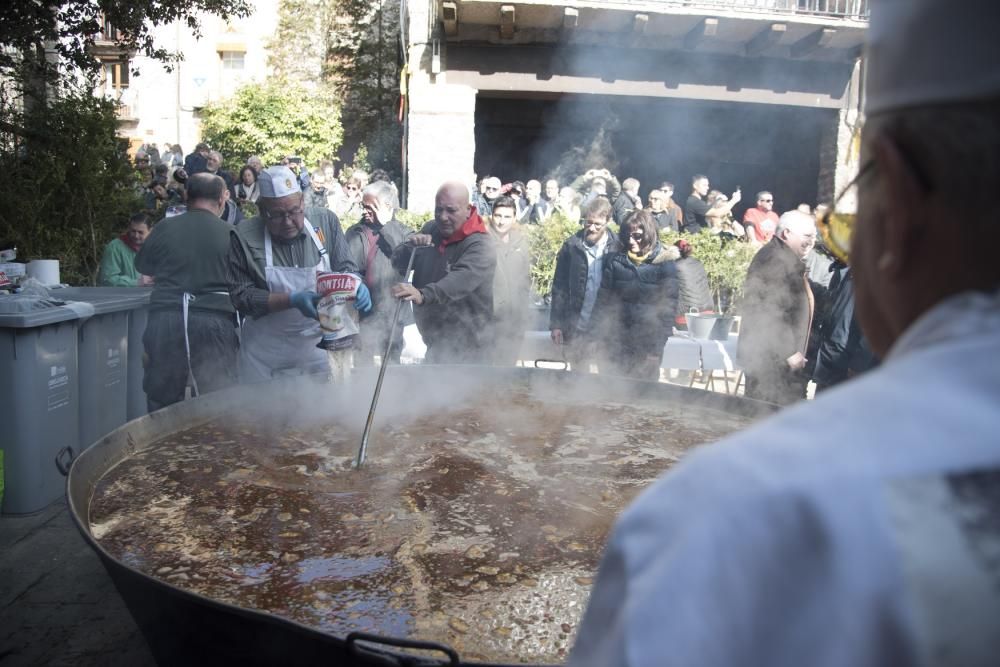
639	259
472	225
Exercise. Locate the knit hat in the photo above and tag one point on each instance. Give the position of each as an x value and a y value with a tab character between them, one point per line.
922	52
277	182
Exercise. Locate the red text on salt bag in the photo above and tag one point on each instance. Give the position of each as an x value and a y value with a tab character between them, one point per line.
337	316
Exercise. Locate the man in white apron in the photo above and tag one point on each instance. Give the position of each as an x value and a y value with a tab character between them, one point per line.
273	263
862	528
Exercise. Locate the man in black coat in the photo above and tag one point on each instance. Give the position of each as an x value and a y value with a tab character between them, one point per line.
842	351
573	321
777	313
452	290
628	201
196	162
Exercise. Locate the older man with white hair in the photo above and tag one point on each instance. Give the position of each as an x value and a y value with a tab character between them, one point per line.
274	259
372	242
777	313
860	528
487	194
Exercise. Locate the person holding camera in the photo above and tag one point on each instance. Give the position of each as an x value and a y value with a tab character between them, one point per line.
246	190
155	193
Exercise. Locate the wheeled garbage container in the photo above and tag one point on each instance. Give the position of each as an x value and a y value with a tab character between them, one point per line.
39	400
110	358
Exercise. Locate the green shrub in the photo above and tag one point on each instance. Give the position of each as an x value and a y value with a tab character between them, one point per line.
66	185
272	120
726	263
413	220
545	240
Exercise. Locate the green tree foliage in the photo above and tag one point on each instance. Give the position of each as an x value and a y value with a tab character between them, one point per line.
273	120
297	50
70	26
545	240
66	186
364	67
354	55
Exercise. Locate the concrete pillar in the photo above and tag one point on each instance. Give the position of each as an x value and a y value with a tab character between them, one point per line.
441	140
840	146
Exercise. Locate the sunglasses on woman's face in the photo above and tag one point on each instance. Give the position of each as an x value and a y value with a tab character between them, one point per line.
636	236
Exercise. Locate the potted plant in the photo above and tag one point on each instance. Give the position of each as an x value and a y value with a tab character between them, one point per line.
726	261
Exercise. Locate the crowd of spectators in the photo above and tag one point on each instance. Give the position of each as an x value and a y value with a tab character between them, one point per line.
618	291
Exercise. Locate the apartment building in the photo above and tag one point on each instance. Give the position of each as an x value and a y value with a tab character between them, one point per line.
161	106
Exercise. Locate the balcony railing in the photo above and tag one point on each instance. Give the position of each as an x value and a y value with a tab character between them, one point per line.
841	9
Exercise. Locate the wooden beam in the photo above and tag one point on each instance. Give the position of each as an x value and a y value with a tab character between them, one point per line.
706	27
766	38
506	21
571	17
817	39
449	16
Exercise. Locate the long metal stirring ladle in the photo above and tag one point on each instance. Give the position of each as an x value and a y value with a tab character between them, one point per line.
363	451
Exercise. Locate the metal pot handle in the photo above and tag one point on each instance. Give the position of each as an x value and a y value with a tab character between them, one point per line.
565	364
68	454
354	637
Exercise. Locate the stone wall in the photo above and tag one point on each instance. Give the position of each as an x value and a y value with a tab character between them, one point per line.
840	147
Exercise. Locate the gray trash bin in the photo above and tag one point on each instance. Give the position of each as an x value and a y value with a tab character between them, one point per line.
137	319
39	408
110	357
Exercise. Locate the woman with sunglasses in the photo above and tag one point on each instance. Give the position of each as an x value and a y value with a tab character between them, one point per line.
638	298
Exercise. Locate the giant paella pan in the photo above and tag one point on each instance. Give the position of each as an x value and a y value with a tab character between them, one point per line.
237	530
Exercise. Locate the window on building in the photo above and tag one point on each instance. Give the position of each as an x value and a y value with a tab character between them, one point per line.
116	75
109	32
232	60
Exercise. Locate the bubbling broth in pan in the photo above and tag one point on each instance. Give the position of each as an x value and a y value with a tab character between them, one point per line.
480	526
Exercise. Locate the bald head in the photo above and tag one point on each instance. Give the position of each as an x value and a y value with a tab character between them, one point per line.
797	230
455	190
451	207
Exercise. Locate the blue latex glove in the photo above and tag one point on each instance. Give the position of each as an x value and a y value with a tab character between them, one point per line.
363	299
305	301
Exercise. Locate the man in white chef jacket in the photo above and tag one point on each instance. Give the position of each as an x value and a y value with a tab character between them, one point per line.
862	528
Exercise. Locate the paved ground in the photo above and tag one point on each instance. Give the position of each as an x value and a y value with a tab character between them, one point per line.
57	604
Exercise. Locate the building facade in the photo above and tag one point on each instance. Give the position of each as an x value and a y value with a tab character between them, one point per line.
160	106
756	94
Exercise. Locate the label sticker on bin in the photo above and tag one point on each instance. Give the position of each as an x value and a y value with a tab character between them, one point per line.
113	367
58	394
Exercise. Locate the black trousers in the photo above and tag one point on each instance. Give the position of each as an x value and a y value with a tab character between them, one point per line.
782	386
214	346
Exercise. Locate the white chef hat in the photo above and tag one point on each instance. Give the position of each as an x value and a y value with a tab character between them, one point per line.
923	52
277	182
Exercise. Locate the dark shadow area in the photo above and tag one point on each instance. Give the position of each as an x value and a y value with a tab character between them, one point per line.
755	146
